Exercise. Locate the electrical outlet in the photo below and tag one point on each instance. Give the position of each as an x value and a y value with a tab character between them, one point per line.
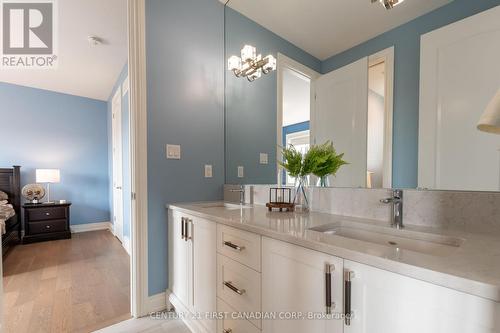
173	152
208	171
264	158
241	172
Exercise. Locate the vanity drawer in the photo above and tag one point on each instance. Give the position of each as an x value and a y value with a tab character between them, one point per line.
239	245
47	226
239	286
233	323
49	213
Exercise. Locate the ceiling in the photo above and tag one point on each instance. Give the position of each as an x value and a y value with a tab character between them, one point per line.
324	28
83	70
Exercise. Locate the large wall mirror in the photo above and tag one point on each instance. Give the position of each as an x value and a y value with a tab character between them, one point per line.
398	109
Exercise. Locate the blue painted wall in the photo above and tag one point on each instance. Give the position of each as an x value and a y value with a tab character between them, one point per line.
406	40
185	63
45	129
252	105
125	152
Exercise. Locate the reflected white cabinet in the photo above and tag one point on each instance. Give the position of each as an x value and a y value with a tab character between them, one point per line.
384	302
294	280
193	267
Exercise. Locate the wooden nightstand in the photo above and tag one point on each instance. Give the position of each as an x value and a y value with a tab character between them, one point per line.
46	222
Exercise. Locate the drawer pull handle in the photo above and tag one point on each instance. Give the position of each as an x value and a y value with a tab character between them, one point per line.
48	214
227	330
47	226
234	246
233	288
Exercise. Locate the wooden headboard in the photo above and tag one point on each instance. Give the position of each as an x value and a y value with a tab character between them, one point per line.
10	183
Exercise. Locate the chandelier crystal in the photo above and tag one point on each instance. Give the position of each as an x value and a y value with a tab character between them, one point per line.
251	65
389	4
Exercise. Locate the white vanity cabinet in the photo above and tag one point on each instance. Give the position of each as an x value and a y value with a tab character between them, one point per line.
214	267
193	268
385	302
294	280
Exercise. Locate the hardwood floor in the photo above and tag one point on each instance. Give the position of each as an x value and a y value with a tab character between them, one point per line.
75	285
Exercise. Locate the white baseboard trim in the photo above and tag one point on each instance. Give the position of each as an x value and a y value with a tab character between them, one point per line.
157	302
126	244
91	227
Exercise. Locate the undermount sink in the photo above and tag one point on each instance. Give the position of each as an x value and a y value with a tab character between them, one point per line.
426	243
225	205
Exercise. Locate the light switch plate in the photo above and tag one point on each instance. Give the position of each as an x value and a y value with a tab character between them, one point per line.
208	171
173	152
241	172
264	158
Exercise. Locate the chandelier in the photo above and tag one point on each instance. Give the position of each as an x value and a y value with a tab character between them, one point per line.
389	4
251	65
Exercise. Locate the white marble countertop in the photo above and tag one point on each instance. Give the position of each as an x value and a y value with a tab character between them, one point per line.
473	268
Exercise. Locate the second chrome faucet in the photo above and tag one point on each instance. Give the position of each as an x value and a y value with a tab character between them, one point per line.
397	208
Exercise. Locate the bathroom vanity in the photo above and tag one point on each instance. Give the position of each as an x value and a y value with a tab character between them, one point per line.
289	272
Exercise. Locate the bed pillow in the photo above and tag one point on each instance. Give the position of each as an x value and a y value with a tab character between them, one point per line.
3	196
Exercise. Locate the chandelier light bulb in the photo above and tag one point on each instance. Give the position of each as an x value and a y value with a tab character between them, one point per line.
234	63
271	63
248	53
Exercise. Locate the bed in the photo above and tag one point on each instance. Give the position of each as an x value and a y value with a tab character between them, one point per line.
10	183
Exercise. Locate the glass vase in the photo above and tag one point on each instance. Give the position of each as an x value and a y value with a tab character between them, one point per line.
301	200
323	181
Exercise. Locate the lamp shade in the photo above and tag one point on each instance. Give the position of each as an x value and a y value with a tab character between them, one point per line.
490	120
48	176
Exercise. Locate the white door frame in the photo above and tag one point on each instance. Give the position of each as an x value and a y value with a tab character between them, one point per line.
138	156
387	56
117	161
283	63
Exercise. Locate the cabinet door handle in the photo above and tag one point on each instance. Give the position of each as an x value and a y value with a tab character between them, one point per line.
47	226
349	275
227	330
183	228
234	246
189	229
329	269
47	214
233	288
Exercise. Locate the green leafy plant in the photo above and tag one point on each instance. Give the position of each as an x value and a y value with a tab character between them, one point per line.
323	160
320	160
292	161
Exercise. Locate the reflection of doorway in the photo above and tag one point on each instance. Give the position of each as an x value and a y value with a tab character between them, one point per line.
117	165
295	97
379	125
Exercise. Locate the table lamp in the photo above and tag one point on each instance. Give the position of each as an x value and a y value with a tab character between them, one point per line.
490	120
48	176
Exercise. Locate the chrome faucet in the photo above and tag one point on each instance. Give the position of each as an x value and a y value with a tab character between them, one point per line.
241	190
397	208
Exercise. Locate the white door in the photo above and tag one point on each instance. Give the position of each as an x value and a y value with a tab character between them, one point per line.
117	165
340	115
180	262
459	75
385	302
204	270
294	281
